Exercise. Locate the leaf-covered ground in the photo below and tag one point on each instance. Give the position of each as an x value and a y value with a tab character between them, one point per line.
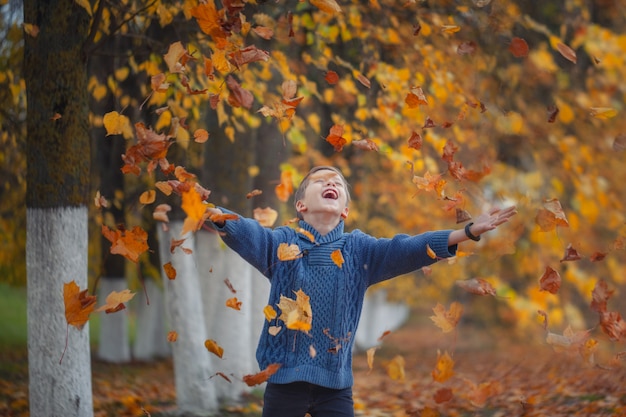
495	374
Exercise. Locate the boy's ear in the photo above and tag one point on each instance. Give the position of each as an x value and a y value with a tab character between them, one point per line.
300	207
344	213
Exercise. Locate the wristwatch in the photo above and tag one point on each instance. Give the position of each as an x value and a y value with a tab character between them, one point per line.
469	234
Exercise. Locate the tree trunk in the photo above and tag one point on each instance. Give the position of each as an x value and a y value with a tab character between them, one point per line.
195	392
56	200
150	333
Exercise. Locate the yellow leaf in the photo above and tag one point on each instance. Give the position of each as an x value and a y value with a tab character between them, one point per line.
431	252
603	113
288	252
85	5
395	368
115	123
337	258
270	313
327	6
214	348
447	320
296	314
194	208
443	370
147	197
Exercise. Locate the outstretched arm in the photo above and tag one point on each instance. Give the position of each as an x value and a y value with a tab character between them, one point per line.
481	224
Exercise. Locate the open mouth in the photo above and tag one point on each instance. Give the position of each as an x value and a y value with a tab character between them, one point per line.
330	193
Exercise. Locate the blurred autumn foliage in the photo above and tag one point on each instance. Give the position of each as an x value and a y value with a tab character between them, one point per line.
433	110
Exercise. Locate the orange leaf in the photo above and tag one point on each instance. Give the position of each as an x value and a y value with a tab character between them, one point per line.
551	215
327	6
331	77
444	368
200	136
209	20
447	320
170	271
285	188
266	217
233	303
550	281
213	347
337	258
288	252
115	301
129	244
172	336
78	304
395	368
335	137
147	197
259	378
270	313
297	313
194	208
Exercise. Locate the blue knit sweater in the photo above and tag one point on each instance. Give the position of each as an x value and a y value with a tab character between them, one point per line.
336	294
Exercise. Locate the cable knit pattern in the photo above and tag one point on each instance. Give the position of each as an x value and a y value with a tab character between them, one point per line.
336	293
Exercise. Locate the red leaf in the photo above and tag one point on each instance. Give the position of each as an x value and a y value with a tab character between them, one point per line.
518	47
550	281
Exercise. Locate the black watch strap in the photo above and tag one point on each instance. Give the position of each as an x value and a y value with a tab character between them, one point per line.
469	234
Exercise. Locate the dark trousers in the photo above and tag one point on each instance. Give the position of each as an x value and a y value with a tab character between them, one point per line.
299	398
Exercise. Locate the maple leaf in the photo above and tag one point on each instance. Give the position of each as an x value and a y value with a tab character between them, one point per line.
128	243
259	378
478	286
78	304
444	367
550	281
214	348
447	320
209	20
286	252
335	137
430	182
195	209
115	301
297	313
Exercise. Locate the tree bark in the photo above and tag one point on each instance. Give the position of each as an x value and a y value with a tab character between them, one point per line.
56	200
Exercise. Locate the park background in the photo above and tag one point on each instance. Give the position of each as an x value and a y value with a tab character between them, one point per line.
435	111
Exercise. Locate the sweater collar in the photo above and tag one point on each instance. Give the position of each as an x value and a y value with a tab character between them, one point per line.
331	236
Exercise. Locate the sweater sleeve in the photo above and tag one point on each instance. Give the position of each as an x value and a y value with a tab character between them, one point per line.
253	242
386	258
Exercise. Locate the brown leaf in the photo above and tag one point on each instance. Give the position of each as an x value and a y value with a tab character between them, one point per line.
447	320
567	52
550	281
518	47
478	286
571	254
115	301
600	296
259	378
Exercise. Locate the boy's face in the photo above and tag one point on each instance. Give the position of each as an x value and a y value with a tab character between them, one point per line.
325	193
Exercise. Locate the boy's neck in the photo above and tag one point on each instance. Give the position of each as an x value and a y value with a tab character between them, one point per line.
322	223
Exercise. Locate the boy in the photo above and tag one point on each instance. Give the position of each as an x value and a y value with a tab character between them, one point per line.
320	383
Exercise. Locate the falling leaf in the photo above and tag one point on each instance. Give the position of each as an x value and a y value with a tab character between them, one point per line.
160	213
208	19
78	304
551	215
312	351
172	336
370	357
466	48
100	201
259	378
221	374
195	209
247	55
603	113
337	258
415	141
443	395
269	312
365	144
395	368
147	197
128	243
115	301
613	325
115	123
31	30
263	32
170	271
214	348
287	252
230	287
335	137
239	96
297	313
327	6
619	143
254	193
567	52
518	47
550	281
233	303
222	217
285	188
416	98
331	77
447	320
478	286
200	136
571	254
600	296
462	215
444	367
480	393
266	216
175	53
364	80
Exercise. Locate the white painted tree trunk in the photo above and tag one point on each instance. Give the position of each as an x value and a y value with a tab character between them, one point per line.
56	253
195	392
150	333
114	343
230	328
378	315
